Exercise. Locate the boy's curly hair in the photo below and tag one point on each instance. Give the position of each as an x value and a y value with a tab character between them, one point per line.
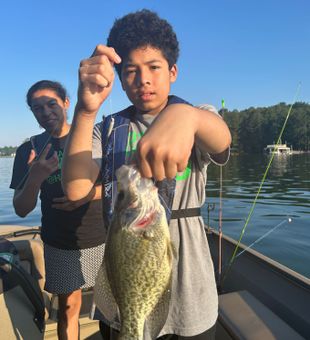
140	29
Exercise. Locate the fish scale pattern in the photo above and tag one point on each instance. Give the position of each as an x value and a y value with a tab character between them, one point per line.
144	276
133	286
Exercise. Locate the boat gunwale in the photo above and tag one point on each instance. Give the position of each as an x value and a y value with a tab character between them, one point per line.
277	267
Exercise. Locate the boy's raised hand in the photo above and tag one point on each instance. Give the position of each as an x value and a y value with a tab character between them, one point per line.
96	77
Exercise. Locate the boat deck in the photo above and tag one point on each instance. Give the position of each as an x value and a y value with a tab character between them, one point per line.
260	299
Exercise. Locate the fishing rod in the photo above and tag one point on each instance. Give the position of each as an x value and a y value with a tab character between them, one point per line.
210	207
36	158
220	230
261	184
220	216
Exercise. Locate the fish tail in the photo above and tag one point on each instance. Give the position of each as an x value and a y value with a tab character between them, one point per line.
131	330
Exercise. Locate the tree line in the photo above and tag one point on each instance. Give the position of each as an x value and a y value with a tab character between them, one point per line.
8	150
253	128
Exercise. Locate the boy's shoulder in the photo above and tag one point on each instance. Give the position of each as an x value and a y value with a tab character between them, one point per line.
173	99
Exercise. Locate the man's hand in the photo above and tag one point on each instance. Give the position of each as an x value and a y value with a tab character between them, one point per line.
96	77
41	168
62	203
25	199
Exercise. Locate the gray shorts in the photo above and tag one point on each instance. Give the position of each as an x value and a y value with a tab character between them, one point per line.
70	270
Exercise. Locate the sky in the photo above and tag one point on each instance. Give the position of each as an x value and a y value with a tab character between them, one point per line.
252	53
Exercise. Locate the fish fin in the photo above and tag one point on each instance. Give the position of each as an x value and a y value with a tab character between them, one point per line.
104	299
172	253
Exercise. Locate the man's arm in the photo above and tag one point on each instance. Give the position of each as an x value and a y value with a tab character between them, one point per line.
96	76
166	147
25	199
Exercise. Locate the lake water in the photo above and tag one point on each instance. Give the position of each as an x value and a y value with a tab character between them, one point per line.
7	214
285	194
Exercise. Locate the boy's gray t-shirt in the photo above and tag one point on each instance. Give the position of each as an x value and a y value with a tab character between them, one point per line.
194	300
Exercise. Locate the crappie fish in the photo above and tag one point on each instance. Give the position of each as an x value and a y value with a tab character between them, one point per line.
138	259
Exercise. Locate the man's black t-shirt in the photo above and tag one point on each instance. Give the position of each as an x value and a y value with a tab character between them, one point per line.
77	229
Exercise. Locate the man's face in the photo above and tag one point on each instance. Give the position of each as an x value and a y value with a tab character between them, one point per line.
49	110
146	79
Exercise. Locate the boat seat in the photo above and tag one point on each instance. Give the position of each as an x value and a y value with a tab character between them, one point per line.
242	316
22	295
31	257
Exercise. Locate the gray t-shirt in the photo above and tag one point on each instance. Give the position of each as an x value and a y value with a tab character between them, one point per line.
194	301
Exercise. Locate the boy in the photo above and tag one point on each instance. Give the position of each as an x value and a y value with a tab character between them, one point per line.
166	136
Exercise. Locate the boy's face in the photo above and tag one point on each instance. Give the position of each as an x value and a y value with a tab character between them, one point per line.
146	79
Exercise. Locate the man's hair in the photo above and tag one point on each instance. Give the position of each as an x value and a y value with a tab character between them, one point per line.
46	85
140	29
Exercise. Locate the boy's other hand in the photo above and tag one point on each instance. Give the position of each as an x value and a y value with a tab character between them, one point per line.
166	147
96	77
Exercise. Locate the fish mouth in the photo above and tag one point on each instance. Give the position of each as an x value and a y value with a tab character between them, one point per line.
140	200
146	220
146	208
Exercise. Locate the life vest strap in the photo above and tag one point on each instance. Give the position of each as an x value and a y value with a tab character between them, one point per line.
182	213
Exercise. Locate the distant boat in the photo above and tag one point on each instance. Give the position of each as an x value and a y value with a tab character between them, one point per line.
278	149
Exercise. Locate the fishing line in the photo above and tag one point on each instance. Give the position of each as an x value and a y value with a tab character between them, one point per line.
262	182
110	103
287	220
